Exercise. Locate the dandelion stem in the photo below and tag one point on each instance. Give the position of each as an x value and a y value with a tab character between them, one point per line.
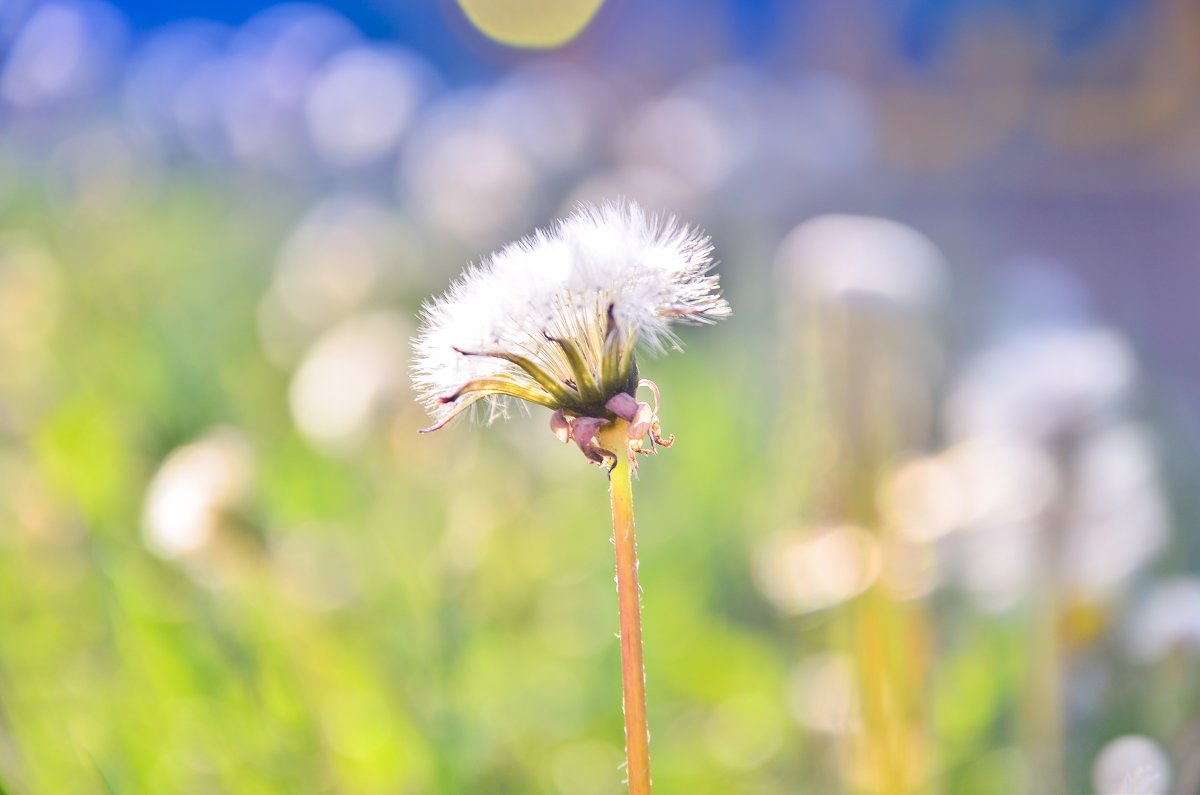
615	437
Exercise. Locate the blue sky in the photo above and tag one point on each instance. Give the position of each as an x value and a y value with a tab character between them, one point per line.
753	26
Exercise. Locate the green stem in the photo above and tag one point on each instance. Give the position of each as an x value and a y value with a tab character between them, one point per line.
615	437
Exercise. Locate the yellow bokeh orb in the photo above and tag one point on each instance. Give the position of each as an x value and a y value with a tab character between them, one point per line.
533	24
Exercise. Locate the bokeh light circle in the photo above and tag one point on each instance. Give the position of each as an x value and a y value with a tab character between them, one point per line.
532	24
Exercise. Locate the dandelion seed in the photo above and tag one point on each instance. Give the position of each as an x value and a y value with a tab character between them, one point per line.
554	320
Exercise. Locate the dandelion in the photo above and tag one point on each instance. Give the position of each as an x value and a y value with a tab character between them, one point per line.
554	320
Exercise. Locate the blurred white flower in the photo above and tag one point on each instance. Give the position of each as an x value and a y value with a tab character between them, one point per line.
1079	499
1043	384
981	500
1118	520
1166	619
1000	480
835	257
194	491
923	499
1096	524
996	562
857	296
1132	765
805	571
351	374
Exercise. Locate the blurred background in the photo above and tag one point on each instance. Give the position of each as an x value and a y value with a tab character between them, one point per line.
929	526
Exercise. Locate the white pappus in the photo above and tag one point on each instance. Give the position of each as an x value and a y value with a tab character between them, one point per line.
553	319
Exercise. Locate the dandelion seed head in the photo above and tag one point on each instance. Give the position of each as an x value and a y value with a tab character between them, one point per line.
194	490
1132	765
596	284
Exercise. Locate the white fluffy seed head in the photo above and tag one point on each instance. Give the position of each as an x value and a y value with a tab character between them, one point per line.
561	282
